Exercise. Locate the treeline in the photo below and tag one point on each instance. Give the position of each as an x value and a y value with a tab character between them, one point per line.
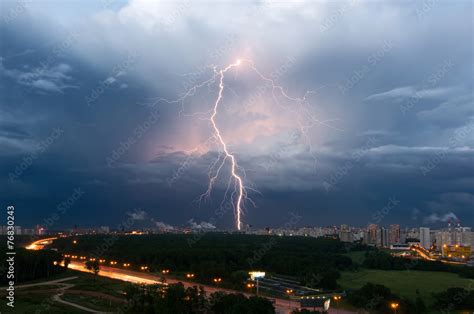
455	299
385	261
175	298
315	261
31	265
380	299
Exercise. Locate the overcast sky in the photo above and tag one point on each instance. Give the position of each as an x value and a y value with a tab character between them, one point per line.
89	134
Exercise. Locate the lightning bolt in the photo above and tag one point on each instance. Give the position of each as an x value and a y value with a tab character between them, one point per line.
240	186
239	195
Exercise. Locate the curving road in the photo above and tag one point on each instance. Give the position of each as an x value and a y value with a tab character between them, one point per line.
282	306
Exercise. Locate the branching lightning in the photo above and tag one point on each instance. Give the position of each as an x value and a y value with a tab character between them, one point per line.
239	195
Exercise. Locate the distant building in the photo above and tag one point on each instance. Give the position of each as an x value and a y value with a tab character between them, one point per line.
346	236
394	234
456	251
372	234
425	238
383	237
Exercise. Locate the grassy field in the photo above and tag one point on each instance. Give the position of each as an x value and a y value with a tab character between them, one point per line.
405	283
97	293
357	257
36	303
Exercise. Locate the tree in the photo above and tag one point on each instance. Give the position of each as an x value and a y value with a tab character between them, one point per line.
67	261
93	266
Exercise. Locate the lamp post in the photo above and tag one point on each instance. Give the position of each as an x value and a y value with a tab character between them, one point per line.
394	306
289	292
337	298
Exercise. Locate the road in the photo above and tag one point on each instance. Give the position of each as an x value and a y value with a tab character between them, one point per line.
60	292
282	306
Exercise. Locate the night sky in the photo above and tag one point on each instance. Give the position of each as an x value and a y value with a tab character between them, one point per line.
386	135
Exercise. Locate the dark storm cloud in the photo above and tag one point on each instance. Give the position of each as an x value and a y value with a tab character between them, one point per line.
397	73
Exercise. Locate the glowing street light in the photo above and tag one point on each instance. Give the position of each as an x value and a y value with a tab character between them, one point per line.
165	271
394	306
337	298
190	276
217	280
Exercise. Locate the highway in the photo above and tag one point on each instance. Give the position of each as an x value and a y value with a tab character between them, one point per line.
282	306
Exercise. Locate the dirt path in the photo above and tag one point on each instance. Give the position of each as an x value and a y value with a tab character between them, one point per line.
60	291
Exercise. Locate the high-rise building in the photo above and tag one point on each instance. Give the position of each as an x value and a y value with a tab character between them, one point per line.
372	234
425	239
394	234
383	237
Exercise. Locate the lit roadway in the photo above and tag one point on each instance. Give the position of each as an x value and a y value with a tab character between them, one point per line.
425	255
40	244
281	305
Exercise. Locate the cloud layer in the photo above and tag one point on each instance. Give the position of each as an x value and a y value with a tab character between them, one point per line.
390	113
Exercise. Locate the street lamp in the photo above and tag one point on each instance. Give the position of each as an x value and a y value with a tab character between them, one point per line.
217	280
289	292
394	306
337	298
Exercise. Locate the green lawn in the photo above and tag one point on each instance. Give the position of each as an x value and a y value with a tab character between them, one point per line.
38	300
95	303
405	283
38	304
99	284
